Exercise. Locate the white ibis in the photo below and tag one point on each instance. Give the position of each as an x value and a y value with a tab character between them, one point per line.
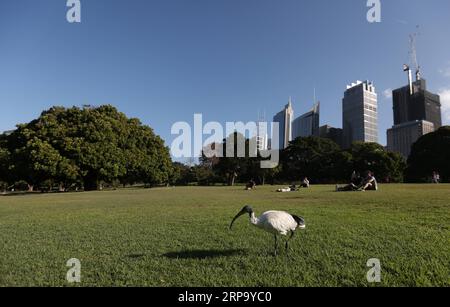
274	222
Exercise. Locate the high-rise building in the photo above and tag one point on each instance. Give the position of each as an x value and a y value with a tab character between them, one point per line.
307	124
360	113
284	119
334	134
416	112
262	136
418	105
401	137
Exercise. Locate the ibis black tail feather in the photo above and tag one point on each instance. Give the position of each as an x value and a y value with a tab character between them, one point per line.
300	221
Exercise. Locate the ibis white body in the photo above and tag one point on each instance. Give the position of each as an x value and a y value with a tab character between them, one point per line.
275	222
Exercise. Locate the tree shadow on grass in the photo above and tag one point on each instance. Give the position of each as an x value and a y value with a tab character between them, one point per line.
203	254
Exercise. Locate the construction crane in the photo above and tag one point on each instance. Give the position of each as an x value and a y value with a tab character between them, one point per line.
413	53
413	61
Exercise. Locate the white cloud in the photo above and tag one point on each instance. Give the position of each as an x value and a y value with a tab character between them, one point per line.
387	93
445	101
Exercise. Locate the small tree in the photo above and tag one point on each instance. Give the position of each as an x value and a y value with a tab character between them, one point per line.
431	153
310	157
232	166
387	166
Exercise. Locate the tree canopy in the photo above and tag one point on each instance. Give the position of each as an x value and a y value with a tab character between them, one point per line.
319	159
86	147
431	153
387	166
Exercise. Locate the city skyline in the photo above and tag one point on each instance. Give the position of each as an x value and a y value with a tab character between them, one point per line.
224	62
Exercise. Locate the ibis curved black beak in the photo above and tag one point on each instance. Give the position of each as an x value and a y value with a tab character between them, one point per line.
244	210
235	218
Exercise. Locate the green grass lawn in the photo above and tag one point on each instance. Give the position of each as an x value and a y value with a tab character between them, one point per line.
180	237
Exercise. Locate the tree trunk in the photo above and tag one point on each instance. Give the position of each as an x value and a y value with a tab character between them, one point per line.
233	178
30	188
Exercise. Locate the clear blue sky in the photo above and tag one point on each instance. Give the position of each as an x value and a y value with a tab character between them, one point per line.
163	61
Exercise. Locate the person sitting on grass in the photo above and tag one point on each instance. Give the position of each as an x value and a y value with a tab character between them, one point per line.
370	183
251	185
305	183
436	178
354	185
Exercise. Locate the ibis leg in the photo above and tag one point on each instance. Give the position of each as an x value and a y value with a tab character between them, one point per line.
290	238
276	244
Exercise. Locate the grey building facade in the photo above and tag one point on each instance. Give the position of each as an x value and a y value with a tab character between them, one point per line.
360	113
284	120
307	124
400	138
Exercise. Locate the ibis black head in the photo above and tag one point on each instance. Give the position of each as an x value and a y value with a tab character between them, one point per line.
246	209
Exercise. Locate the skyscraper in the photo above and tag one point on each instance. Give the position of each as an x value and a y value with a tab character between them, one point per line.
360	113
400	138
284	119
307	124
416	112
420	105
262	137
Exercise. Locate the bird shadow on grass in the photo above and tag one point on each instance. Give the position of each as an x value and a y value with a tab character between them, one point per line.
203	254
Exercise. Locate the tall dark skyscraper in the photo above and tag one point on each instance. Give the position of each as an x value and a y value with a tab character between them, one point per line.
420	105
416	113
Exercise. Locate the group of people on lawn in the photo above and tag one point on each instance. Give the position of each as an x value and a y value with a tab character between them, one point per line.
357	183
295	188
360	183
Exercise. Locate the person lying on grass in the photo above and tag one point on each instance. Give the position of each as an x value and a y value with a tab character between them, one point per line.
292	188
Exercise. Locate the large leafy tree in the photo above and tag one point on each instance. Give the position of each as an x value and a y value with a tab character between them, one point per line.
429	154
88	146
